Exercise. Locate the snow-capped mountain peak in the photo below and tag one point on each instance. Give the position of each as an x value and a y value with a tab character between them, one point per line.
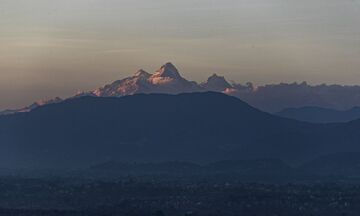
142	73
168	70
166	79
216	83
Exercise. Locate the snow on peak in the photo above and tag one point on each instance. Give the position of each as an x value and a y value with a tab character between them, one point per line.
168	70
142	73
48	101
167	80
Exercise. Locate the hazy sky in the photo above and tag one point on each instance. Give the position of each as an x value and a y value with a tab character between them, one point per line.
55	48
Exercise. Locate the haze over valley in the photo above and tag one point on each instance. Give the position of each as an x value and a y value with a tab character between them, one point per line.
179	108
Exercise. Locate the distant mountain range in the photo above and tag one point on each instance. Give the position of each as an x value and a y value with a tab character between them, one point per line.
320	115
165	80
269	98
193	127
32	106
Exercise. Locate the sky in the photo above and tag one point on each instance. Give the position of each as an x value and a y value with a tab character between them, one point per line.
55	48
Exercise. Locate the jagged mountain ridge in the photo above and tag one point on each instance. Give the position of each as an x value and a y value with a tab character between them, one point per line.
270	98
216	83
165	80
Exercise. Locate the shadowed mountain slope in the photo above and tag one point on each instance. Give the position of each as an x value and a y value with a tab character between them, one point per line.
320	115
194	127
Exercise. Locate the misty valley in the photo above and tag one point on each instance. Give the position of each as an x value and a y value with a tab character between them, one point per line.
325	186
201	153
179	108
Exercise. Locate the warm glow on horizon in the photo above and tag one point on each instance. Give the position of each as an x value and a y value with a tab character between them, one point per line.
56	48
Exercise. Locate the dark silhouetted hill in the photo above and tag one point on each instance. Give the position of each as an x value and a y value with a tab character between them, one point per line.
320	115
193	127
